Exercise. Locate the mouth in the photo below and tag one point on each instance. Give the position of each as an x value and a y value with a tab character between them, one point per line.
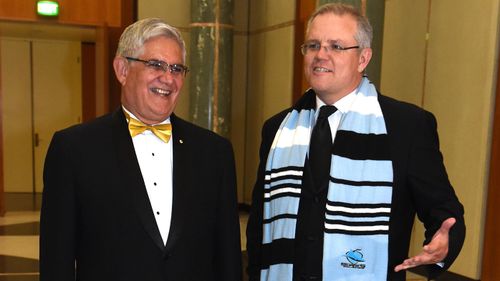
161	92
321	69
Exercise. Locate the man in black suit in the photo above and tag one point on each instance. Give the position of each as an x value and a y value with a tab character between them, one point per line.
348	216
122	201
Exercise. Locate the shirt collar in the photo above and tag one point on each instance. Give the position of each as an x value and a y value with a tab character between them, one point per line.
343	105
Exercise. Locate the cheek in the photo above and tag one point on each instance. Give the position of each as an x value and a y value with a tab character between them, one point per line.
305	59
179	83
307	67
353	64
143	84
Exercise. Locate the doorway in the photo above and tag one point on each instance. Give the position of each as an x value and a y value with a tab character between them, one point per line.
41	82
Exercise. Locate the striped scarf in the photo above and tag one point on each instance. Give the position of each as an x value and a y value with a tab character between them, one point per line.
359	194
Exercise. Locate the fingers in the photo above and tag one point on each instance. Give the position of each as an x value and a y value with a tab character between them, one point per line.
438	247
434	246
433	252
447	224
408	263
420	259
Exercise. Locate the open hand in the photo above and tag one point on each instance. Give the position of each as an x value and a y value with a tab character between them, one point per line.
433	252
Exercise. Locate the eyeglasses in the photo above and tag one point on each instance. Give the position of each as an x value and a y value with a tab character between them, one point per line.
314	47
158	65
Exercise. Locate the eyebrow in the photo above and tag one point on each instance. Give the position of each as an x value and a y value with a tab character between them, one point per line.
336	41
155	59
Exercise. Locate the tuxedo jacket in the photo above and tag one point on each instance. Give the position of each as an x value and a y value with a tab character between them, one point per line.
97	222
420	186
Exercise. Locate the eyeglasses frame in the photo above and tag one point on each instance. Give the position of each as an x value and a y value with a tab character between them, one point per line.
303	48
167	65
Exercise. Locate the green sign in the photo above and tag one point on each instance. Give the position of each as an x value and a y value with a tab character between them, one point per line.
47	8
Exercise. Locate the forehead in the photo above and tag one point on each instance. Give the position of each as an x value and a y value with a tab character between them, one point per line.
163	48
331	27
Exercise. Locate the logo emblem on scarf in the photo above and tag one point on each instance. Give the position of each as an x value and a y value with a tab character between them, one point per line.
355	259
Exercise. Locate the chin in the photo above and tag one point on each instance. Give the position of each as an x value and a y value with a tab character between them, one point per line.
319	88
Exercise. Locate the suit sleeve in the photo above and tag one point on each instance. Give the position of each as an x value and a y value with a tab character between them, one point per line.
58	215
228	252
435	199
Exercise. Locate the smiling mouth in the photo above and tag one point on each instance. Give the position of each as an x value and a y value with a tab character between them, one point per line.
321	69
161	92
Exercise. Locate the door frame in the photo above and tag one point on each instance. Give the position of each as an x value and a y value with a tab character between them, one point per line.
2	196
490	262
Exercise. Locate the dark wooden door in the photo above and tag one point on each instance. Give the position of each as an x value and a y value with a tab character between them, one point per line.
491	247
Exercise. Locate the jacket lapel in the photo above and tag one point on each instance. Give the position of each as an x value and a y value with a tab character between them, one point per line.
131	177
181	161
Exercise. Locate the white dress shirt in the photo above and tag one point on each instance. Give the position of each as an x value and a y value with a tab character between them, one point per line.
155	160
343	106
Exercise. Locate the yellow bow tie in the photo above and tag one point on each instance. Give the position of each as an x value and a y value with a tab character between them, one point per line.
162	131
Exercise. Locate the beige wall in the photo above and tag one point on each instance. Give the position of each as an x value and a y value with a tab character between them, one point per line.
455	80
404	47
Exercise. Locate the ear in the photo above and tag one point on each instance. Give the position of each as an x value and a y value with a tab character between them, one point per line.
364	59
121	69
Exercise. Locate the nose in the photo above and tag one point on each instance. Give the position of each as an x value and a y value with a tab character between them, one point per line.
322	53
166	77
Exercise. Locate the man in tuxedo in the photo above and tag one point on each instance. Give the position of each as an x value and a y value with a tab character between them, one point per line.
343	172
140	194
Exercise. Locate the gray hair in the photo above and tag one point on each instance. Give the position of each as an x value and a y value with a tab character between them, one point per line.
364	33
136	34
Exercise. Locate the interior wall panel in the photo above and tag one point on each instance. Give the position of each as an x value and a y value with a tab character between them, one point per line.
16	115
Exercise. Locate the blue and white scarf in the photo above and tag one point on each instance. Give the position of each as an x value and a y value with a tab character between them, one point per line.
359	194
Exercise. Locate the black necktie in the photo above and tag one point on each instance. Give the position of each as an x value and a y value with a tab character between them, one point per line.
320	149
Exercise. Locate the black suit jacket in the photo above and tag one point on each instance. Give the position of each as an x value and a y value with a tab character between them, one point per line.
96	212
421	187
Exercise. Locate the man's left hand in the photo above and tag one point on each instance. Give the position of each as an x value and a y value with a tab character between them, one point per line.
433	252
